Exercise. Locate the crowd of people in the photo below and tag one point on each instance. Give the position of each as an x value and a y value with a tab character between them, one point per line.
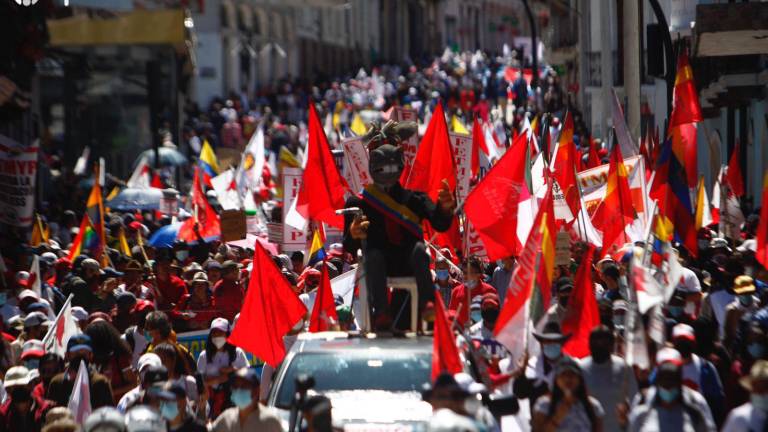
130	305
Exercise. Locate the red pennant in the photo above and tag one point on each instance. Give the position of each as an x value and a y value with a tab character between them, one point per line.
733	176
324	311
445	355
582	314
270	310
205	217
434	159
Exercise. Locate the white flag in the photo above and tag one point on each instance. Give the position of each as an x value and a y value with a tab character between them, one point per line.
141	178
344	285
63	328
80	400
252	164
226	191
628	147
82	162
34	277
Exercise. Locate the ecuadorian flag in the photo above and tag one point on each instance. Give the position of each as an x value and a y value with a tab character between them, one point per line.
208	161
317	247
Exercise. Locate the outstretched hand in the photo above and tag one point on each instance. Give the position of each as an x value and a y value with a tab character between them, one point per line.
445	198
358	229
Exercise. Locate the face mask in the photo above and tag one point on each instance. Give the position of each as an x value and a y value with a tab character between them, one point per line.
745	300
618	321
675	311
442	274
219	341
169	410
759	401
32	364
148	337
182	255
471	284
551	351
668	395
475	315
756	350
3	298
241	398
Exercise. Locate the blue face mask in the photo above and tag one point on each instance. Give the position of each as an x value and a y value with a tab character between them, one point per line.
169	410
759	401
241	398
745	300
442	274
756	350
668	395
552	351
475	316
675	311
148	337
182	255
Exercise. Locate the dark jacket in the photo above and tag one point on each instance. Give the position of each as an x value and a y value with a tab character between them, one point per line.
60	389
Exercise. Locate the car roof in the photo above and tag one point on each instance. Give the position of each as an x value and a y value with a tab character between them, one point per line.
342	341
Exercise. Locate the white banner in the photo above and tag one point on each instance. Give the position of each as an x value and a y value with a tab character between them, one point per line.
593	182
293	239
356	164
461	145
18	171
410	146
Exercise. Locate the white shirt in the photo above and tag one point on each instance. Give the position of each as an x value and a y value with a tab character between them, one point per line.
139	345
745	418
220	360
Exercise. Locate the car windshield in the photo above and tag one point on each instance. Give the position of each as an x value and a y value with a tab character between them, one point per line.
393	371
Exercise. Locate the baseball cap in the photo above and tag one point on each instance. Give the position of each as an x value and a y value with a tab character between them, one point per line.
90	263
148	359
48	258
247	373
213	265
24	294
34	319
79	342
220	324
683	331
79	313
667	357
32	348
16	376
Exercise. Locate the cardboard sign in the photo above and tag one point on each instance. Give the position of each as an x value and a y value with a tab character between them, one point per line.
562	249
461	145
18	172
356	164
233	225
169	203
293	239
410	146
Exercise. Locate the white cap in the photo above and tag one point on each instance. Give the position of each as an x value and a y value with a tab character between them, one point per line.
149	359
220	324
79	313
669	355
683	331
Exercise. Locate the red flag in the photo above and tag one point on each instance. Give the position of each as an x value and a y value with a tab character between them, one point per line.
685	149
548	228
582	314
564	166
685	99
445	355
270	310
762	228
593	159
434	159
324	311
616	210
478	145
158	184
203	215
322	187
492	205
733	176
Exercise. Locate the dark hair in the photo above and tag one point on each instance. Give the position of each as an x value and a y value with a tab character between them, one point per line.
612	272
602	332
157	320
53	357
475	263
210	349
168	349
581	396
106	341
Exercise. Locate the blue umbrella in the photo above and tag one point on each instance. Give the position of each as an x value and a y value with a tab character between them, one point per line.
131	199
165	236
168	157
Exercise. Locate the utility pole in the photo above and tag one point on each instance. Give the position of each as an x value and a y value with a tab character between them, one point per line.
606	64
631	39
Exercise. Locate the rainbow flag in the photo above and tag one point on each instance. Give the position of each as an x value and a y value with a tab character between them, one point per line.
87	239
208	161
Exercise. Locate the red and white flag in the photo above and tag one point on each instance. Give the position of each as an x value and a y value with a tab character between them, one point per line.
80	400
33	282
141	177
64	327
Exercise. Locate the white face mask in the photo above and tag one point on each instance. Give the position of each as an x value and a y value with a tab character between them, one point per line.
219	341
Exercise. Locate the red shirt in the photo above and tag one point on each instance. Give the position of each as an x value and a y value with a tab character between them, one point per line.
172	290
459	296
228	296
204	314
31	421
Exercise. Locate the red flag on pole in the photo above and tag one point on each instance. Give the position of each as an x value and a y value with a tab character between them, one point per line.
270	310
762	228
582	314
445	355
434	159
322	187
203	215
565	164
733	176
685	99
324	311
492	205
616	211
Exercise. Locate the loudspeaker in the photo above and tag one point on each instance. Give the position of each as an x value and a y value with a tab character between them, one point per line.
654	51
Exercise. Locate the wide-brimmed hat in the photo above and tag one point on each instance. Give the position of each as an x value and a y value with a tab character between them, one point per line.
744	285
200	277
16	376
759	371
551	333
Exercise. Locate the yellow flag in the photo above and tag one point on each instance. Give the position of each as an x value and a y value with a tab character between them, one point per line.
457	126
40	234
113	193
123	243
357	126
